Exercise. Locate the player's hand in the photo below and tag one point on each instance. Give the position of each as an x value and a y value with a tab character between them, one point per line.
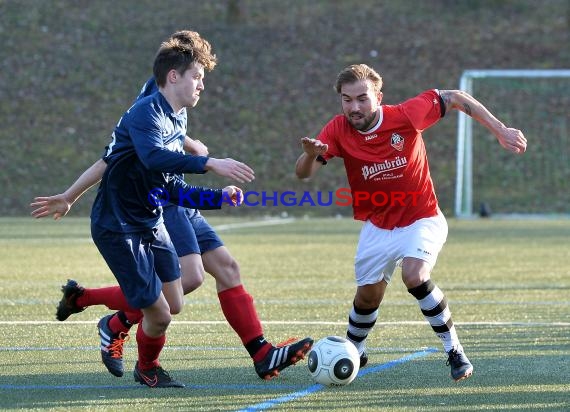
512	139
313	147
56	205
197	148
238	171
234	193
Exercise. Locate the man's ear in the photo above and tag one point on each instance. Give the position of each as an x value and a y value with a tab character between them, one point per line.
380	95
172	76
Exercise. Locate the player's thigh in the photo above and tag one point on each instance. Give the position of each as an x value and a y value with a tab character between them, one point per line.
167	267
374	260
130	258
174	295
207	237
192	272
177	221
421	243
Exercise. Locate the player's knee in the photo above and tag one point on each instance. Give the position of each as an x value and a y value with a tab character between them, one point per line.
160	323
192	278
369	296
232	270
192	282
175	310
227	273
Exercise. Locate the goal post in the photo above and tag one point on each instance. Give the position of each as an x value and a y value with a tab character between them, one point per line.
535	101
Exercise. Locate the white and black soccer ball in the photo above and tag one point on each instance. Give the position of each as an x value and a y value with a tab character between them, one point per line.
333	361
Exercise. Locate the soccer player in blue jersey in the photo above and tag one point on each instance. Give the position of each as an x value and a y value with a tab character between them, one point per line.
195	241
126	219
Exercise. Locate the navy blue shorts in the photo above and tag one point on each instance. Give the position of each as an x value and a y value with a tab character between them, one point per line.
141	261
189	230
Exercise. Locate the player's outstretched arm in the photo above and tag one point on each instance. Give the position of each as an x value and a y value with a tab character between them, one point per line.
511	139
307	164
58	205
231	168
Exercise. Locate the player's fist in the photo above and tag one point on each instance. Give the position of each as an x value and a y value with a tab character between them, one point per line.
512	139
234	194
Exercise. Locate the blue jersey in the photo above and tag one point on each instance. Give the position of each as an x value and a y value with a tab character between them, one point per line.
149	88
143	158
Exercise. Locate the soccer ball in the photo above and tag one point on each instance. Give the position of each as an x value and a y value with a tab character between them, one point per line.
333	361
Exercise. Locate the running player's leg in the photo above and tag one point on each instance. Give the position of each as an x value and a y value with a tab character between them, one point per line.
422	243
136	260
374	267
238	306
77	298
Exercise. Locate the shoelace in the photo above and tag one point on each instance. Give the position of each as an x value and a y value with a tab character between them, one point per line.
285	342
116	345
453	356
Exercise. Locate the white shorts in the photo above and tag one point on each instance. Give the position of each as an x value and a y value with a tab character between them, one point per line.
380	251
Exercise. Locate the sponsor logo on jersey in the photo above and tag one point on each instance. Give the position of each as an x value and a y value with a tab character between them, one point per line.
370	137
397	142
370	171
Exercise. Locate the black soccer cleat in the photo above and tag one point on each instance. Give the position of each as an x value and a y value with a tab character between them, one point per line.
461	368
282	356
156	378
68	304
112	347
363	359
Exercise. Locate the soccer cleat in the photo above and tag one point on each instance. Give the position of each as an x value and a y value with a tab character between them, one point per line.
281	356
156	378
68	304
112	347
461	368
363	359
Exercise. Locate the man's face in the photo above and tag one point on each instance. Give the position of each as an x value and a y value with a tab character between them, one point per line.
360	104
190	84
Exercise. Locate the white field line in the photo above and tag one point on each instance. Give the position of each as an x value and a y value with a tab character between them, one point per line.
277	322
217	228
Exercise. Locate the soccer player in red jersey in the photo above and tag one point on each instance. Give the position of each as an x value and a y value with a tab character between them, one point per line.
384	153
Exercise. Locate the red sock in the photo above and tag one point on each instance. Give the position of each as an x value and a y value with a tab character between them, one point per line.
117	325
111	296
260	354
134	317
149	349
240	313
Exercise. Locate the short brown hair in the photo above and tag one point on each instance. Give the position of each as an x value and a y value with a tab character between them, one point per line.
356	72
179	52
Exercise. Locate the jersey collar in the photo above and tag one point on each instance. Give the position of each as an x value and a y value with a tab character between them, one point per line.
377	125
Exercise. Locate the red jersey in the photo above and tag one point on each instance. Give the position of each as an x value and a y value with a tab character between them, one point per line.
387	166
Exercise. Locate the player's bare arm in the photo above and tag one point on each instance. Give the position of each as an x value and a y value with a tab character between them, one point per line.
307	164
511	139
59	205
195	147
231	168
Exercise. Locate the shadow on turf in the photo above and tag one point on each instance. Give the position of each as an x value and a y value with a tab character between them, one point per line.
500	382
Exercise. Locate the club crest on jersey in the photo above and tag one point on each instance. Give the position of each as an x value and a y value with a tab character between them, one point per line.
397	142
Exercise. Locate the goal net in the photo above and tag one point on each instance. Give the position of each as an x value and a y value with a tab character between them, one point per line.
490	179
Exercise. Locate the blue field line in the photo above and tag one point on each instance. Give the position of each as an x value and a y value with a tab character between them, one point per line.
239	387
317	387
